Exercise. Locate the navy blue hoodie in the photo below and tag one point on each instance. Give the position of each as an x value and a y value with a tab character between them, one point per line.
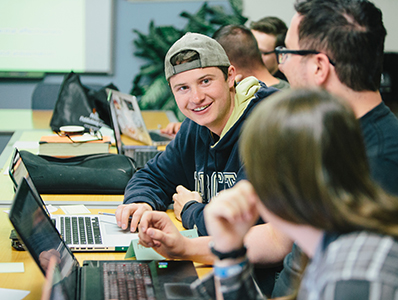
194	153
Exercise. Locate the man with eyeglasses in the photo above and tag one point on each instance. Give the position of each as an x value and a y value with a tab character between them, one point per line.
338	46
270	33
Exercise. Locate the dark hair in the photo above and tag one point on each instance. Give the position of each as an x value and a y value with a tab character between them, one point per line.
191	55
351	33
240	45
273	26
304	154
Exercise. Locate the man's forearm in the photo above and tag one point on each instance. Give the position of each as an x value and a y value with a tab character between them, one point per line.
197	250
267	246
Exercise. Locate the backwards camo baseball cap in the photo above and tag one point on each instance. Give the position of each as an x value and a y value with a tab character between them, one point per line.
211	54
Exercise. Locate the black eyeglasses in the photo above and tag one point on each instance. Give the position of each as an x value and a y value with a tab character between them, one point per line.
266	53
281	54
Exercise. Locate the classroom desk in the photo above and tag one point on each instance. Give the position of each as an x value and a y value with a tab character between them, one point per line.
27	126
22	119
32	279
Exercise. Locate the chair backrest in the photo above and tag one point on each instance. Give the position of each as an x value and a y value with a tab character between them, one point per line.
45	95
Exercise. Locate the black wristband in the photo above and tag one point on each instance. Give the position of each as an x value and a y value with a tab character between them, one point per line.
232	254
186	206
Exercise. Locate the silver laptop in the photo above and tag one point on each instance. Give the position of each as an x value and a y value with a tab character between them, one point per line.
131	122
122	279
82	233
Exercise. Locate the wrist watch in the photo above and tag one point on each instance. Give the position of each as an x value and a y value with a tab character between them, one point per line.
231	254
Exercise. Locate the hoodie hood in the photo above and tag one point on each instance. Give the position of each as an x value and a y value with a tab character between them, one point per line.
245	91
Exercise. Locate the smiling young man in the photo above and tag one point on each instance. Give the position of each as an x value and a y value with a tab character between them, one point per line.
203	158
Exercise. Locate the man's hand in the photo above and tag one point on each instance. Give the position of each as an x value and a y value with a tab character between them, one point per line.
159	232
135	210
230	215
171	128
181	197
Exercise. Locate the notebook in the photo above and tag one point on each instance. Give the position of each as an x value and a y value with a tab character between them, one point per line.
130	120
94	279
83	233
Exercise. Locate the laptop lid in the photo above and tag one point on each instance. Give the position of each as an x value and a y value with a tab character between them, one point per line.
129	119
115	125
53	288
112	237
40	237
17	169
140	154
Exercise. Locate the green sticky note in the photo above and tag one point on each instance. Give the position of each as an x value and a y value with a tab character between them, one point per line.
142	253
130	251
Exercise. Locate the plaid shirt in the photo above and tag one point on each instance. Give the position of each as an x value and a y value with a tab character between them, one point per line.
358	265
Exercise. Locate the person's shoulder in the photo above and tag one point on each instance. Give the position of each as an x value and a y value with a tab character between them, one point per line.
349	265
380	125
264	91
380	113
282	85
355	255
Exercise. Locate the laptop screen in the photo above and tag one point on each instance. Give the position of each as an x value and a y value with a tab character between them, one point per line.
128	115
40	237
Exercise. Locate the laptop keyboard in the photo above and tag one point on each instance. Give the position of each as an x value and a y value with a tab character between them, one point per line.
157	137
81	230
130	280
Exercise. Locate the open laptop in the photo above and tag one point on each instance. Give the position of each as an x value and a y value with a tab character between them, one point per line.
140	154
94	279
83	233
130	120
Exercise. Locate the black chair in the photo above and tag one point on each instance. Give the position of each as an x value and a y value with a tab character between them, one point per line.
45	95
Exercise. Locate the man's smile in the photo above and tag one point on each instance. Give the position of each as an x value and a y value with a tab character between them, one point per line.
198	109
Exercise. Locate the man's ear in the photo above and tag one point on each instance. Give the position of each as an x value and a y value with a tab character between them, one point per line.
231	76
322	69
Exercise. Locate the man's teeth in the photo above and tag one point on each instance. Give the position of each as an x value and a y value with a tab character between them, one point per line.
201	108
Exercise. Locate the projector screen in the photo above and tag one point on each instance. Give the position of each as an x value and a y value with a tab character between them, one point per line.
55	36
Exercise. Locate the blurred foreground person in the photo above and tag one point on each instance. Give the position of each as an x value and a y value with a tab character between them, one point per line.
309	178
